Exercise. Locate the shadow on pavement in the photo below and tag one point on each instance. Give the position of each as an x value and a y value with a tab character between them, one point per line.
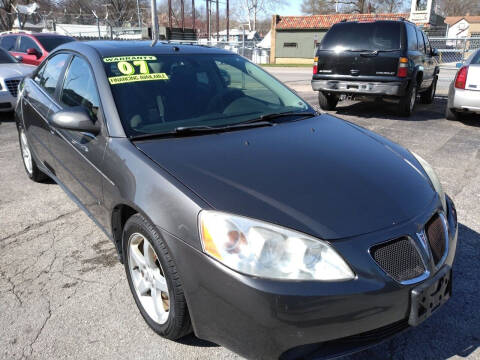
6	117
192	340
388	111
455	330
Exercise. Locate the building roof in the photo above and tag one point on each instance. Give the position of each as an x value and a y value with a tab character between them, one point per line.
326	21
452	20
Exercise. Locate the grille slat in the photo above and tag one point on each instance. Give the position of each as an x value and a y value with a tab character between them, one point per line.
399	258
12	86
436	237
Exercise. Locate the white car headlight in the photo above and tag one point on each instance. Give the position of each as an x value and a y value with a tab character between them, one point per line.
261	249
433	178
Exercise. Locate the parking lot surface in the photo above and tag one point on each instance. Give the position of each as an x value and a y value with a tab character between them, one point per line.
63	294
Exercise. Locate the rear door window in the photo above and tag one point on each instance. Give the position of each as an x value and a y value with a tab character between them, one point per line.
8	42
362	36
421	42
412	38
47	77
428	47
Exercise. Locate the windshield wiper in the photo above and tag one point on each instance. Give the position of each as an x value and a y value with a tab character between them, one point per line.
271	117
188	130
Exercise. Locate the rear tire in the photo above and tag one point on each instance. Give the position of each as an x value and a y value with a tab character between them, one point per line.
428	96
327	101
154	280
407	103
29	164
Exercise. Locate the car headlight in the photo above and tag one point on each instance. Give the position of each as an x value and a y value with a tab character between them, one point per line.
433	179
261	249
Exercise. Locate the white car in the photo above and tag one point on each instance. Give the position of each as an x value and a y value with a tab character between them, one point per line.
464	92
11	73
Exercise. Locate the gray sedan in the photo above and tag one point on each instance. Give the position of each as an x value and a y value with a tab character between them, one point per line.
464	92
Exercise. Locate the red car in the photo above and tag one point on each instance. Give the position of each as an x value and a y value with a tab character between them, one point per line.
32	48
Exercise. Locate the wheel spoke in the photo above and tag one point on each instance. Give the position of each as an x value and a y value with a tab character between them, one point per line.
142	287
136	256
149	254
158	304
160	282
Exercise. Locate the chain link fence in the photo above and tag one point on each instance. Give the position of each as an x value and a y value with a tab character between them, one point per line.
454	50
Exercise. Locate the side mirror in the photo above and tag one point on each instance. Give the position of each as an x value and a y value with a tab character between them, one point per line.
19	58
33	51
434	52
75	119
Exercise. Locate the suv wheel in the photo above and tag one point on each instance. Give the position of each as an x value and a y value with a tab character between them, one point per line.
31	168
407	103
428	96
327	101
153	279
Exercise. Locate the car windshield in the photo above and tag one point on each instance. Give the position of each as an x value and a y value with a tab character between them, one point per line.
476	59
6	58
160	93
362	36
51	42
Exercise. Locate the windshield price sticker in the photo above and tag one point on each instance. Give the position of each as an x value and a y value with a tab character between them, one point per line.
133	68
134	78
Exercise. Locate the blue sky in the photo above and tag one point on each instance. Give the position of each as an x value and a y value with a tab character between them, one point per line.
292	8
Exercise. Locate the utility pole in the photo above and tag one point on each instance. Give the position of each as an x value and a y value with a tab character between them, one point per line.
208	19
138	15
170	14
218	23
182	7
193	14
228	21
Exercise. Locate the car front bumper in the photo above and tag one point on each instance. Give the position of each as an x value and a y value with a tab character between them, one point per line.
7	101
393	88
267	319
464	100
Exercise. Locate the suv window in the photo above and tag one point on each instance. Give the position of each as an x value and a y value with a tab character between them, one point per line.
363	36
421	42
412	37
47	77
79	87
8	42
27	43
51	42
428	47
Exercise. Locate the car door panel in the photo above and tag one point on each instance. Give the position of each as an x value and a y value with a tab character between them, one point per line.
78	155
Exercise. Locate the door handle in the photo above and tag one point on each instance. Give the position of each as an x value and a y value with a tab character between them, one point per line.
79	145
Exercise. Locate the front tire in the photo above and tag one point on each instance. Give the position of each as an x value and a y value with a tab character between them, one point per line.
407	103
153	279
31	168
451	114
327	101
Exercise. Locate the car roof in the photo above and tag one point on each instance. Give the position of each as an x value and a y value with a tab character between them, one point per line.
109	48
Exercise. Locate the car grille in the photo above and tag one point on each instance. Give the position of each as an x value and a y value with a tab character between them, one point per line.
436	237
399	258
12	86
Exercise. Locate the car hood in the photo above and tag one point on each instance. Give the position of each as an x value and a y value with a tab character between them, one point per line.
323	176
15	70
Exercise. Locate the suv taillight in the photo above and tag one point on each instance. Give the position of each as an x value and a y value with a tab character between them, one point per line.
461	78
402	67
315	64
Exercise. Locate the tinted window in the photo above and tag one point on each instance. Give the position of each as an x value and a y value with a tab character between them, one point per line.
51	42
6	58
412	38
421	42
163	92
362	36
79	88
47	77
27	43
475	58
8	42
428	48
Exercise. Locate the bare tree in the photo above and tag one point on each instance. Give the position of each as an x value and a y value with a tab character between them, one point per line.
459	7
7	14
317	7
251	10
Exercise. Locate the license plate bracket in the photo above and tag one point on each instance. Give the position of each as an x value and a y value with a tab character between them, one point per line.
429	296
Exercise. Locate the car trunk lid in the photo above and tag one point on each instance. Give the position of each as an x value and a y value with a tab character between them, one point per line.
473	78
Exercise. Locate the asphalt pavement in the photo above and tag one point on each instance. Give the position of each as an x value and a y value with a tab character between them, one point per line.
63	294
